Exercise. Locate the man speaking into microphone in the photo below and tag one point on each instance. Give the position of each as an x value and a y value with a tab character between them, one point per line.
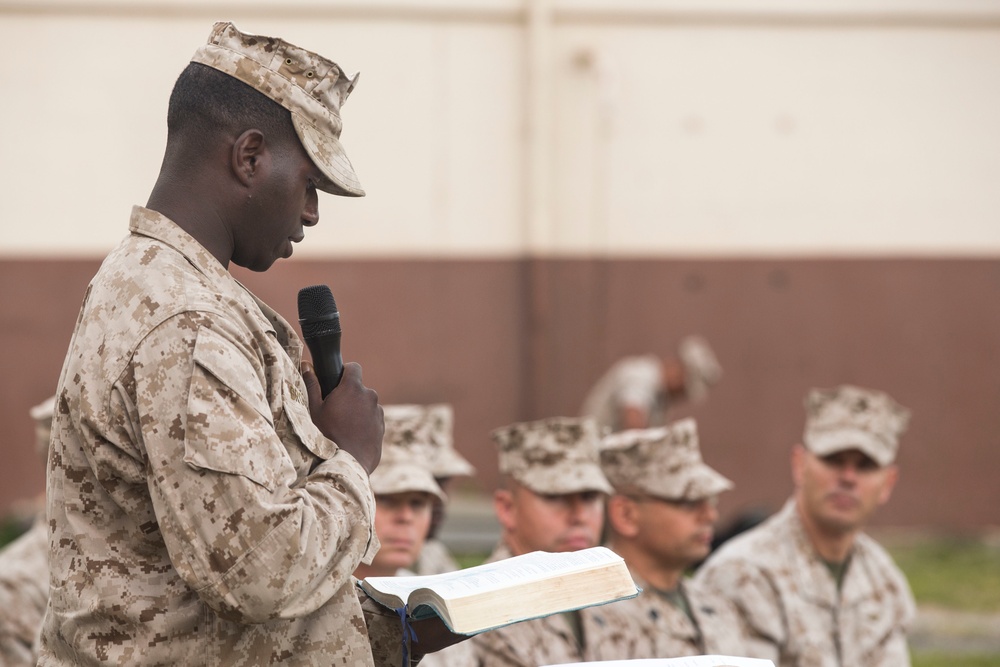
206	504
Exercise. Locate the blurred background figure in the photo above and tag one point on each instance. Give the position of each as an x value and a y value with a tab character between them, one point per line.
660	520
436	436
405	493
405	497
24	570
813	588
552	499
636	392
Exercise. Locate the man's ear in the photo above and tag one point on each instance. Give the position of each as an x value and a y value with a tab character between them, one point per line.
889	483
623	516
503	505
247	153
798	462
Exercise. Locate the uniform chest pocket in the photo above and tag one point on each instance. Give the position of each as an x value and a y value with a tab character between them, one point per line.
303	428
230	428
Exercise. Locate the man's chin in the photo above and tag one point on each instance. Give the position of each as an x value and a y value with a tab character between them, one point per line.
841	522
575	544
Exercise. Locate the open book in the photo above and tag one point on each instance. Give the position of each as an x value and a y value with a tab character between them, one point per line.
492	595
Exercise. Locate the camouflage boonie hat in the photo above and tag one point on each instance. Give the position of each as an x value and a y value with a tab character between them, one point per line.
663	462
552	456
445	460
849	417
42	414
701	367
404	464
428	428
311	87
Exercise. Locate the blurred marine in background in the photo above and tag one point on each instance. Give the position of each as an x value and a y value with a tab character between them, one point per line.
660	520
636	392
406	495
552	499
431	428
814	590
24	571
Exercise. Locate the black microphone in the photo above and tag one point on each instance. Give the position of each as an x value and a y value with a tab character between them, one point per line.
320	323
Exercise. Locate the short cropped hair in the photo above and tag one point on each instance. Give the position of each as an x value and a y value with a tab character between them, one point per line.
206	102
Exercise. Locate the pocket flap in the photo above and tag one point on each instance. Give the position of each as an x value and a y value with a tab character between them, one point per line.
229	424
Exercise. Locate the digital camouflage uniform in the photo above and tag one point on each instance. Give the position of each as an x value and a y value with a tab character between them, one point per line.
638	382
198	516
790	601
435	558
549	456
549	640
24	590
651	626
787	593
634	382
24	570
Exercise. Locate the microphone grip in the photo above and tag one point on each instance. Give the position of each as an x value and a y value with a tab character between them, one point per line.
327	361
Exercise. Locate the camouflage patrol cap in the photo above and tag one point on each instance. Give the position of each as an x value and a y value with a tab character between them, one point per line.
446	461
849	417
663	462
404	465
701	367
311	87
552	456
429	429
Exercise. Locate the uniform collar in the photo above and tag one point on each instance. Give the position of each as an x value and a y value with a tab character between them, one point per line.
154	225
815	580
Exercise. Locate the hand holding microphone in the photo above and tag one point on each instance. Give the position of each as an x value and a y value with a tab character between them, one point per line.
341	406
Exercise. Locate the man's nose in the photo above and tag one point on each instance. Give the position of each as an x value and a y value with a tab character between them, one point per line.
711	513
848	473
578	508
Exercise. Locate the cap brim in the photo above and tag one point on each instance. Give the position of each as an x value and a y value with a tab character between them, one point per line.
842	440
570	479
405	479
694	482
450	464
705	482
329	155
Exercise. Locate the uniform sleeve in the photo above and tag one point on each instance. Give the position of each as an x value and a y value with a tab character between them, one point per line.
895	651
895	594
385	634
639	383
496	649
755	599
252	538
24	581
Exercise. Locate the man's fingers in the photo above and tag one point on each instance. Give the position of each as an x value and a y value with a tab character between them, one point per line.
313	390
352	373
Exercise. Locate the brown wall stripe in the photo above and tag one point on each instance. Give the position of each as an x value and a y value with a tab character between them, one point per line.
507	340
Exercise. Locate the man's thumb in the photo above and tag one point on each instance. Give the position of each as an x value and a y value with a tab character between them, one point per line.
313	390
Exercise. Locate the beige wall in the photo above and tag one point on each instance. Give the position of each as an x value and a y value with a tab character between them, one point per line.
500	127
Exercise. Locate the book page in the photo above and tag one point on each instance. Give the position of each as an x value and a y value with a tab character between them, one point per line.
688	661
495	576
